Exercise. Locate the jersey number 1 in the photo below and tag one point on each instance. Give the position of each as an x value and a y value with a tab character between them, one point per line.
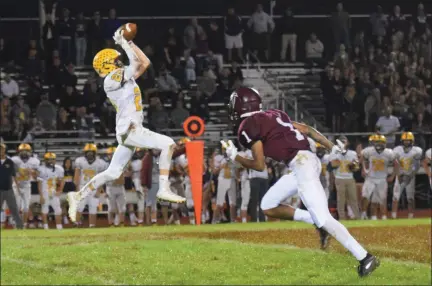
299	136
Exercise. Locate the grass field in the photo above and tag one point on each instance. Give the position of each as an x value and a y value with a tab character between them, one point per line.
266	253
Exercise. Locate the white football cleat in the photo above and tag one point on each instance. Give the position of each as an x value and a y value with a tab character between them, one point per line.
168	196
73	200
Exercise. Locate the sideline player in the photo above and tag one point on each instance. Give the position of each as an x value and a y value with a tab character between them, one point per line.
86	167
377	160
125	96
426	163
26	165
244	186
408	157
50	186
272	134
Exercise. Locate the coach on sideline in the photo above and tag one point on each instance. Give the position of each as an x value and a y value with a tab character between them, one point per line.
7	175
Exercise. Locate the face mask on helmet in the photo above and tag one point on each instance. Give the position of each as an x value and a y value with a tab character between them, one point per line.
24	155
90	156
118	63
407	144
50	162
320	152
379	146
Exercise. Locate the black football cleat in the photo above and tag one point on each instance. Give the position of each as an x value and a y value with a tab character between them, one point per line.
324	238
368	265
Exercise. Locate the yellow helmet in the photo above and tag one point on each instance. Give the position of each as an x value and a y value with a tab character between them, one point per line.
24	147
50	156
407	136
183	140
90	147
373	137
105	61
111	150
380	139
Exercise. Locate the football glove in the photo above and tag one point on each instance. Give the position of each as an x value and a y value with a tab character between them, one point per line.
230	150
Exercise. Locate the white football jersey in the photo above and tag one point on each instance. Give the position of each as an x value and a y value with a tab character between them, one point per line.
312	144
244	175
378	162
23	168
407	160
50	177
343	171
88	171
227	170
125	96
428	153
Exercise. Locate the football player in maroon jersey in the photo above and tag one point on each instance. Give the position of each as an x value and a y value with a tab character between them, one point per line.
272	134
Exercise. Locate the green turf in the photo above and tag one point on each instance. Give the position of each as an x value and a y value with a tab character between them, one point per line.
154	256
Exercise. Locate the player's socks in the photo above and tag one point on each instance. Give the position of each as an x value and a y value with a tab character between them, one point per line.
65	220
244	220
394	215
163	180
45	226
59	226
92	225
410	215
177	222
374	217
153	220
140	221
341	234
191	220
384	217
364	215
302	215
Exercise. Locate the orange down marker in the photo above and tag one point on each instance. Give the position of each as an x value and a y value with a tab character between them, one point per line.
194	128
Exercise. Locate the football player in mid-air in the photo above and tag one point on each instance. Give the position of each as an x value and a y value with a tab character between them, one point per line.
272	134
125	96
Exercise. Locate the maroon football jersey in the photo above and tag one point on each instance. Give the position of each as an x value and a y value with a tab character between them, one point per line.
274	129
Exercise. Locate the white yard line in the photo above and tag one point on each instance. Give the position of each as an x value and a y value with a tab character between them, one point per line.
59	270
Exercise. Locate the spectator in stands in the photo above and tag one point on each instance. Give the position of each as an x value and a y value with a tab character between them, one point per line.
206	84
32	59
171	49
167	84
341	59
233	34
192	33
314	50
34	92
360	42
397	23
178	72
20	115
84	122
179	114
5	113
70	77
421	20
236	73
80	38
64	121
158	117
65	33
262	26
49	33
379	23
190	67
225	84
388	125
69	99
95	34
9	87
110	26
55	74
93	99
199	105
46	114
3	55
287	27
341	25
215	44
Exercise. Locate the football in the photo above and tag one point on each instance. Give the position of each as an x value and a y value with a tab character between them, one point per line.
129	31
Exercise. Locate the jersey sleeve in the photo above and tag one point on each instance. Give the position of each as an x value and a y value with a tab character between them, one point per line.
249	132
114	80
391	155
428	154
102	166
396	153
59	172
78	163
365	153
15	160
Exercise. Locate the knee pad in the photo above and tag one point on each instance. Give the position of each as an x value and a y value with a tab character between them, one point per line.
268	203
57	211
45	208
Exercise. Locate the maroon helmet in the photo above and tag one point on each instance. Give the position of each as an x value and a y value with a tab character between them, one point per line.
244	101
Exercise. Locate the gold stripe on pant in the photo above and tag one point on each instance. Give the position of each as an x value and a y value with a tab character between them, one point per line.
346	196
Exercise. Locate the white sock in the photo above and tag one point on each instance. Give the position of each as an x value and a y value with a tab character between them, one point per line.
304	216
341	234
191	220
140	221
153	220
394	215
177	222
384	217
163	181
45	226
92	225
410	215
374	217
59	226
132	217
2	217
244	220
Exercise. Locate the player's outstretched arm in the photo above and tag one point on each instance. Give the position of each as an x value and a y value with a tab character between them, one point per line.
144	61
258	161
314	134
